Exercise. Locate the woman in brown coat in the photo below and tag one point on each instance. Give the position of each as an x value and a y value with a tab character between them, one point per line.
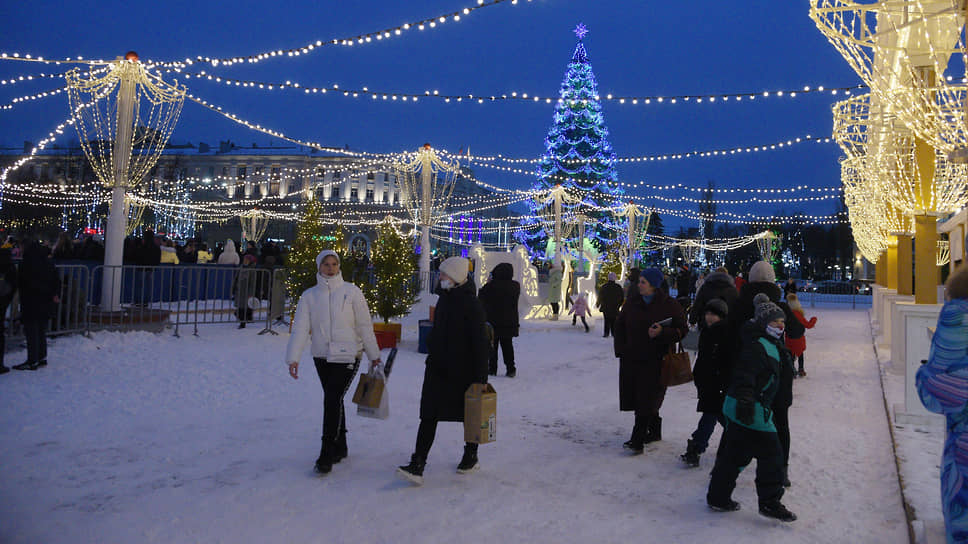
641	341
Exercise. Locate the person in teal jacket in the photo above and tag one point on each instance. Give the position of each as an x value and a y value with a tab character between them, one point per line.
943	387
750	431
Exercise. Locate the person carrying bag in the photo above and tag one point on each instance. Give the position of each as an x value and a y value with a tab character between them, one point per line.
334	316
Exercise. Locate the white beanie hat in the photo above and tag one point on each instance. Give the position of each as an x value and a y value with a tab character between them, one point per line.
762	271
456	268
323	254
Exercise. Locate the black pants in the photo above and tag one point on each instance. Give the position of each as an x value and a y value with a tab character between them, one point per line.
609	320
800	362
507	350
425	438
781	418
335	379
35	331
554	308
738	446
574	319
3	331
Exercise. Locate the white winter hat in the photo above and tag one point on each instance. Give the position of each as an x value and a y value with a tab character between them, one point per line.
456	268
323	254
762	271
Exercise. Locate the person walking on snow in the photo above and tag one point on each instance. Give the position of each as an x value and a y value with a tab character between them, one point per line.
750	431
555	275
500	299
711	377
40	287
610	299
458	357
796	340
641	341
579	307
334	317
942	384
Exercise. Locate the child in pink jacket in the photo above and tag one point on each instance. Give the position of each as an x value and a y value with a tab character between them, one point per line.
579	307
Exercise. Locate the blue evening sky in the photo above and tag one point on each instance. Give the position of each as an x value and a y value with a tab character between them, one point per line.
636	48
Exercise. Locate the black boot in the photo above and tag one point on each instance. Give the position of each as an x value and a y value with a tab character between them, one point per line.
3	369
468	463
512	371
414	471
325	462
339	449
786	479
691	457
636	442
653	431
776	510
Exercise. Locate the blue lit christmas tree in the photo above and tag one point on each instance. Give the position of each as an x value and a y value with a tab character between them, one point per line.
579	157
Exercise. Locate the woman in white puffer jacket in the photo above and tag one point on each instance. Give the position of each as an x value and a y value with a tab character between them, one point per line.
334	316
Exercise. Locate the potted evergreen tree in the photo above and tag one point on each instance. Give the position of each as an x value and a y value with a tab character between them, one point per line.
392	292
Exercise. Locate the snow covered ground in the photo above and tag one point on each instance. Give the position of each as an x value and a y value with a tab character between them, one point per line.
149	438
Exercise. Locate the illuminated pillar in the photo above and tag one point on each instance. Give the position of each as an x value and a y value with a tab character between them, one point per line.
926	269
880	269
905	264
892	263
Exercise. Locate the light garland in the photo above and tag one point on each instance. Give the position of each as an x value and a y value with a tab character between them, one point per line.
30	97
359	39
513	96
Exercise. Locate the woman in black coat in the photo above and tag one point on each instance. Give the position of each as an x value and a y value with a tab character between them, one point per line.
640	344
457	357
39	289
711	377
718	284
8	286
500	299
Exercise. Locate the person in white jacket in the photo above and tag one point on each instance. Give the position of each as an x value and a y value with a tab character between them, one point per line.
334	317
229	255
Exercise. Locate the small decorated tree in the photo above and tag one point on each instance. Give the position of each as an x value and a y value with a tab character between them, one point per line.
611	262
307	245
393	291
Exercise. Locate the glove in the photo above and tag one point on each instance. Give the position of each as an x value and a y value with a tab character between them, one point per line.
744	412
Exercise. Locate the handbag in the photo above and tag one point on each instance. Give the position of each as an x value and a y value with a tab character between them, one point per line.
341	352
371	389
676	367
382	410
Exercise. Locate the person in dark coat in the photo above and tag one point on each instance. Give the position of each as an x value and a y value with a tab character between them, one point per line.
640	344
762	279
245	286
711	377
789	287
685	283
500	299
750	430
39	287
457	357
719	285
610	299
632	285
8	286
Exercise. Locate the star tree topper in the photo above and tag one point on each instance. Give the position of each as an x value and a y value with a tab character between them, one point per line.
581	30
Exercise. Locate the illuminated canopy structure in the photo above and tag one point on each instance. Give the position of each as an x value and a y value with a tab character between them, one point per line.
126	118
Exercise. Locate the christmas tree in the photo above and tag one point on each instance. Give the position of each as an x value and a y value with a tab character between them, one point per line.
307	245
393	291
579	157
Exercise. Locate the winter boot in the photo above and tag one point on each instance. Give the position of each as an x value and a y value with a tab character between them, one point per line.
413	472
3	369
339	449
691	457
468	463
28	365
636	443
728	506
776	510
512	372
324	464
653	431
786	478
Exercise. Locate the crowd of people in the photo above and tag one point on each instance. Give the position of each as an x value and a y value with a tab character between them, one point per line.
743	374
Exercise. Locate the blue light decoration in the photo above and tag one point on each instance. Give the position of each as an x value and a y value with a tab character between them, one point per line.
578	156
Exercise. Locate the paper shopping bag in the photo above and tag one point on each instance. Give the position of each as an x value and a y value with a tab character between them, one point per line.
370	389
480	414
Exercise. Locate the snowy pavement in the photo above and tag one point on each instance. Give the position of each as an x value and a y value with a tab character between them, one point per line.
149	438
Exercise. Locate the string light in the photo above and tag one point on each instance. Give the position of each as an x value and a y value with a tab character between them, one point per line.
350	41
513	96
30	97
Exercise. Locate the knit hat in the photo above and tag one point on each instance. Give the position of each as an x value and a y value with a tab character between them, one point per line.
766	311
653	276
612	276
323	254
456	268
717	306
762	271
